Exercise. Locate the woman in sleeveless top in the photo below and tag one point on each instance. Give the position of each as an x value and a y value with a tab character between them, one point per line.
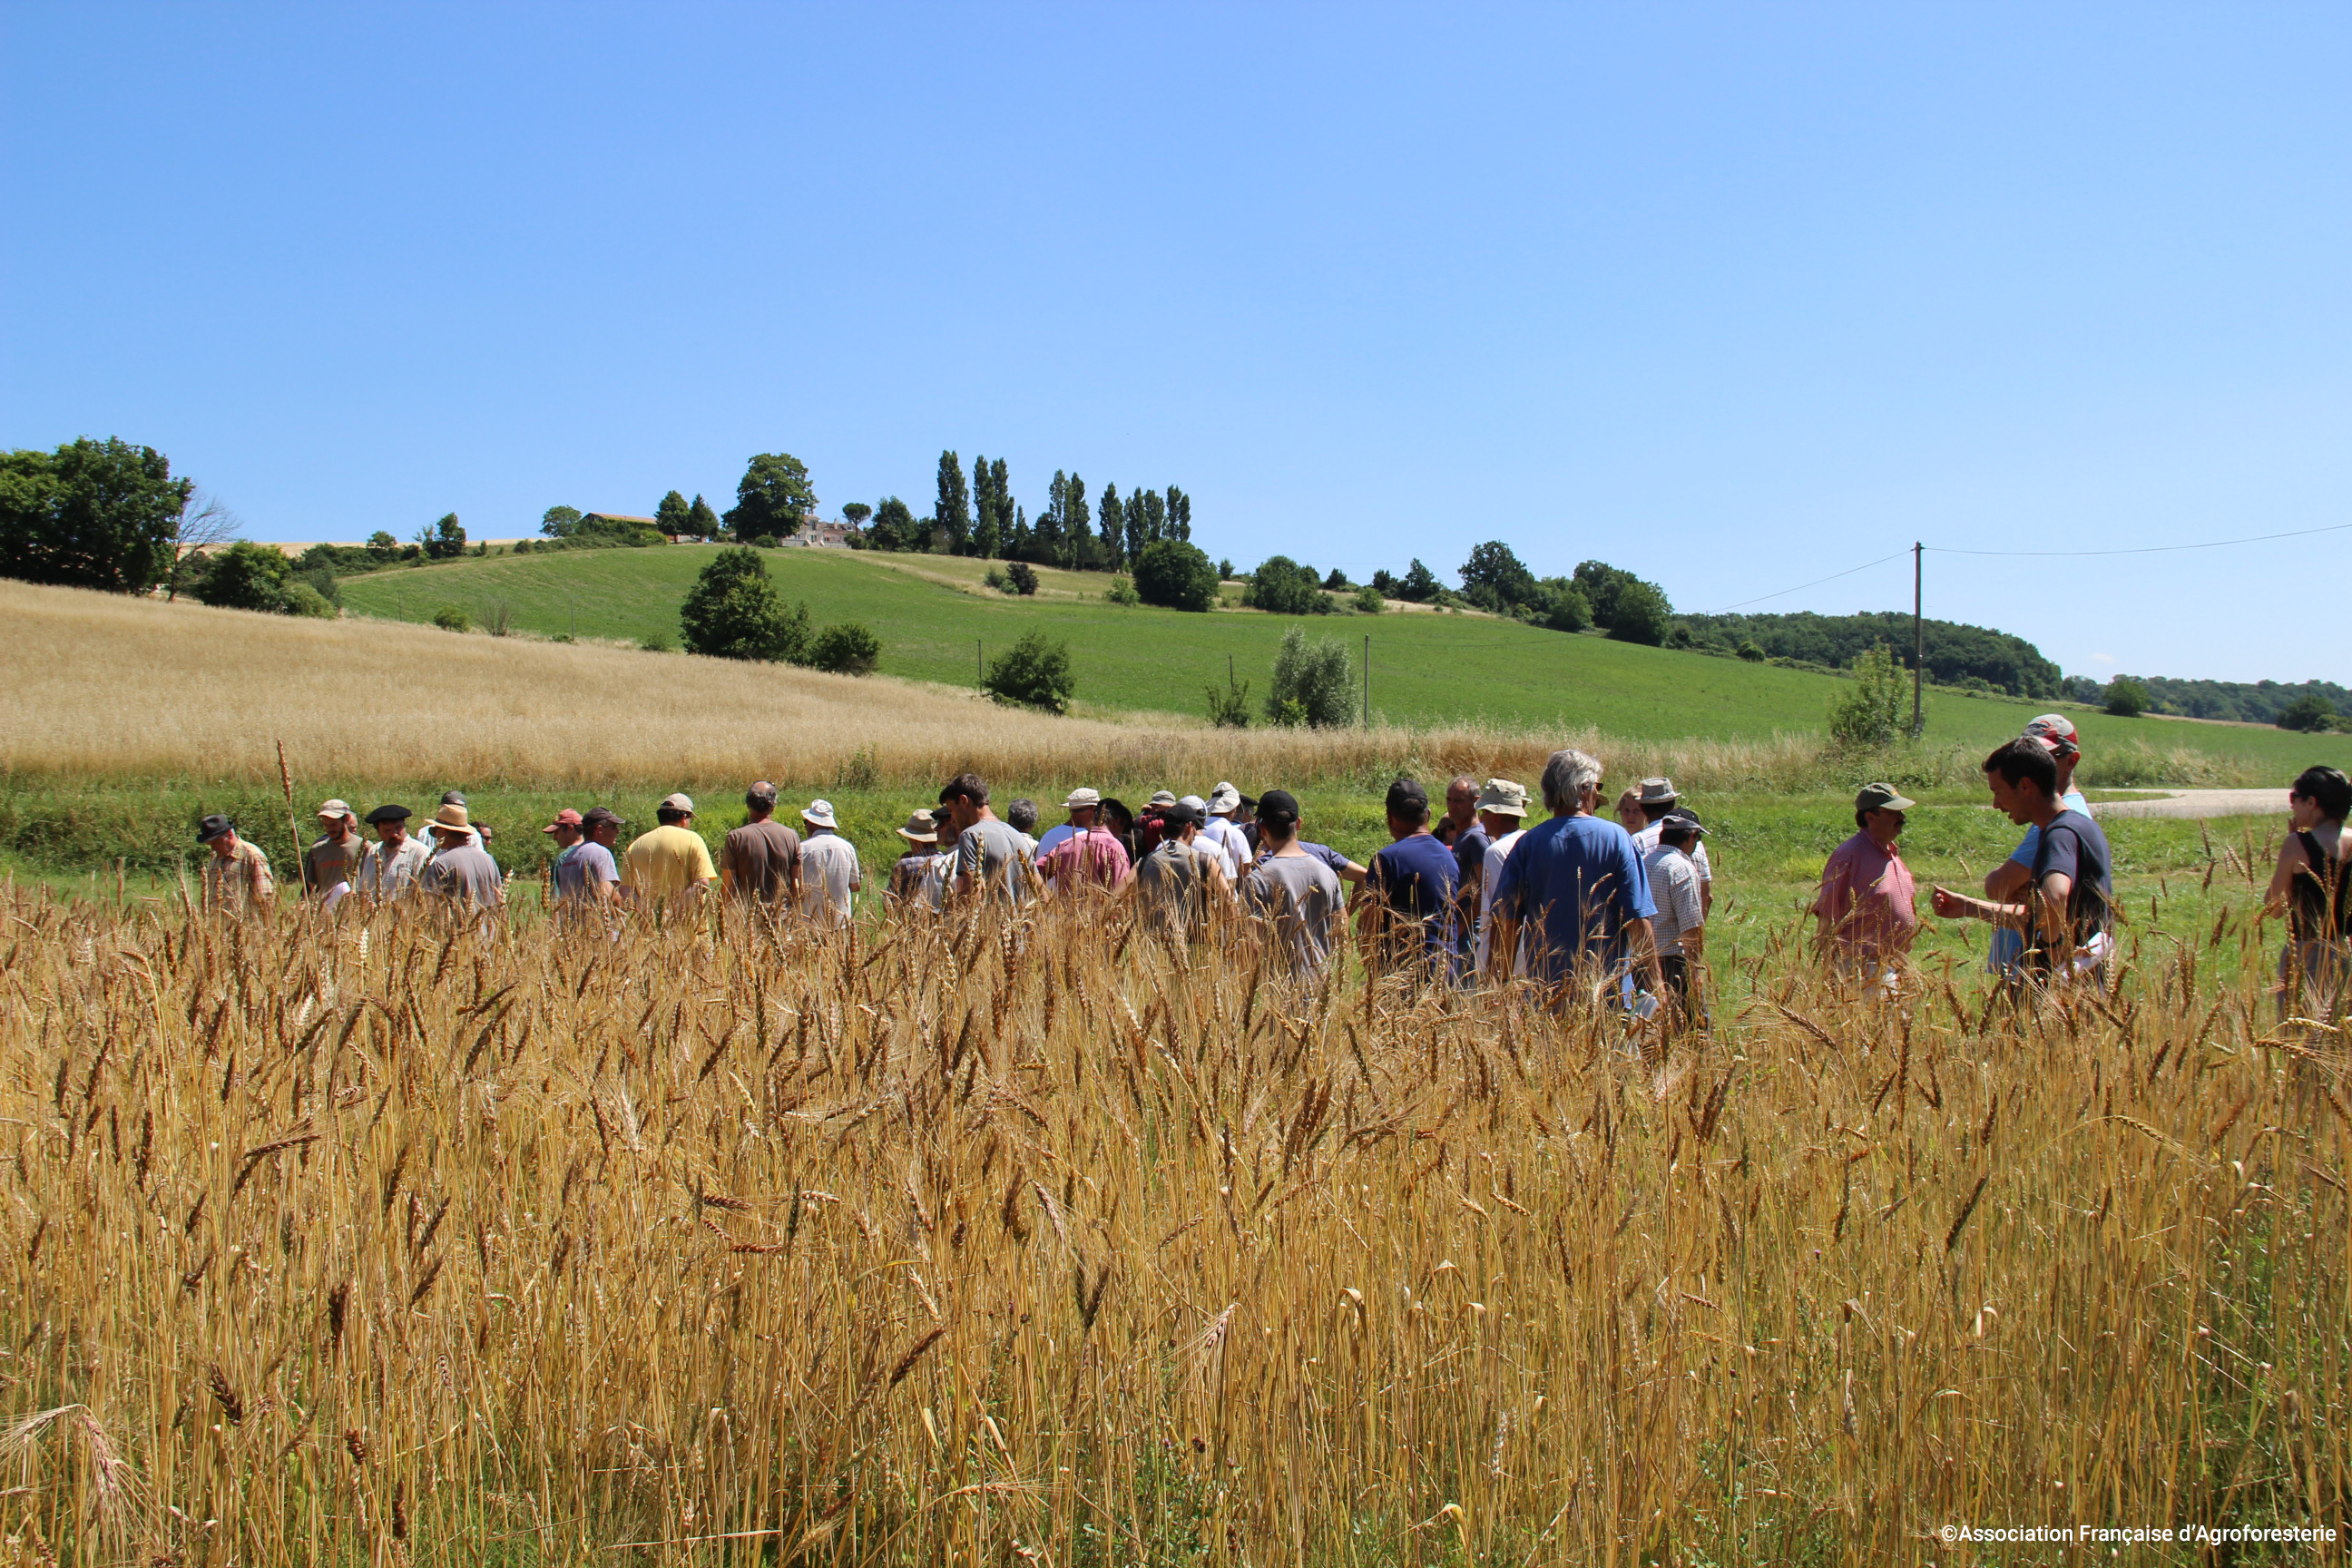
2308	887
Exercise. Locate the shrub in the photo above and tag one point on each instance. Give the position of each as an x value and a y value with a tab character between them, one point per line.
1565	607
245	576
1641	614
1033	673
1282	586
847	647
450	618
2311	713
498	618
1751	652
1311	684
1176	575
994	577
767	542
1021	576
1369	600
657	642
446	539
300	598
2126	698
1870	712
1122	592
735	611
1229	709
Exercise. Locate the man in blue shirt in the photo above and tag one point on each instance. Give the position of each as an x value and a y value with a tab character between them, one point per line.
1579	878
1411	919
2005	883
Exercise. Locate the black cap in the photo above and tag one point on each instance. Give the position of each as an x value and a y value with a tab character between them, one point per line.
597	815
453	797
1277	807
384	813
212	826
1250	802
1683	822
1407	799
1180	814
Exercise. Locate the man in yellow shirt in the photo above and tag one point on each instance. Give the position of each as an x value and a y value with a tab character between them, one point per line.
670	866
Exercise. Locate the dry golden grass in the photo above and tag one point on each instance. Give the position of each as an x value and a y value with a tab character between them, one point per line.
99	685
390	1242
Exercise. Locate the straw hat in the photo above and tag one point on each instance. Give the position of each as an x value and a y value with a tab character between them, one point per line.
921	828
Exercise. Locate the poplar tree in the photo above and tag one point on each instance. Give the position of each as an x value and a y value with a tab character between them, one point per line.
1076	521
954	507
1180	515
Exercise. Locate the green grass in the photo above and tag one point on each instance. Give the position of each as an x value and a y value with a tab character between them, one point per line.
1426	669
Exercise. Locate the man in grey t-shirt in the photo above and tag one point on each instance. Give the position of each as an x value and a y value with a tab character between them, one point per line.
990	855
1295	890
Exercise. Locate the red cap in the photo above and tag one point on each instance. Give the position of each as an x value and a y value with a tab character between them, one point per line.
567	817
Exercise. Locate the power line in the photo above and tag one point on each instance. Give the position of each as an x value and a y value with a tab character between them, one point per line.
1814	584
2147	549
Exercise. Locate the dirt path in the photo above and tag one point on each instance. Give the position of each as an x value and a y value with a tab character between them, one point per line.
2198	803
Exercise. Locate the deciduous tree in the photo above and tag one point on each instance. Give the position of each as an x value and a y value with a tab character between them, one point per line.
771	497
92	514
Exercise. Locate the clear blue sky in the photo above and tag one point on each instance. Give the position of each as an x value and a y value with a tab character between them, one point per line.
1732	296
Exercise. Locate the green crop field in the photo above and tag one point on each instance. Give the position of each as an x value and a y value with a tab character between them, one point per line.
934	616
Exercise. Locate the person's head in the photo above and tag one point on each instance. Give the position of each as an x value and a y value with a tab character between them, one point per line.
1680	830
1277	816
675	811
391	824
565	828
921	833
1182	822
1878	811
2057	731
759	800
1571	782
1117	816
453	797
1630	815
1224	800
1085	806
218	834
1656	798
818	814
601	825
965	796
1501	807
338	820
2322	795
1408	809
2024	778
1461	799
451	826
1022	816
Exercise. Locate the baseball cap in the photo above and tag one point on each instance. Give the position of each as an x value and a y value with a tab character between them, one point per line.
1278	807
1184	811
384	813
600	815
567	817
678	803
1082	797
336	809
212	827
1881	797
453	797
819	813
2057	731
1504	798
761	794
1407	798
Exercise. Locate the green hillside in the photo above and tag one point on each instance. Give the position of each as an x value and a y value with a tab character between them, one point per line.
1426	669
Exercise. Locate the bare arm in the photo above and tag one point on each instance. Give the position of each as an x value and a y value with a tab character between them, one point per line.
2292	860
2005	881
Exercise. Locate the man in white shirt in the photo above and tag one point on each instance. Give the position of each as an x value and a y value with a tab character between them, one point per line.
1503	813
829	871
1219	829
1680	923
1658	798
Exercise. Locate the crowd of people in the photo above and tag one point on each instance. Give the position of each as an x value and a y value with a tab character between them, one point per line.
1612	907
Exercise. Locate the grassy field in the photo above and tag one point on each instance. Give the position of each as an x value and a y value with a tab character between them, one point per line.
1427	669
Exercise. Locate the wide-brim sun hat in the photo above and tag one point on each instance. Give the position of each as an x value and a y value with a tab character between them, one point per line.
819	814
920	830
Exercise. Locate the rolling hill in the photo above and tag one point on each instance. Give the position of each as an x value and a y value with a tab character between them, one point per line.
935	618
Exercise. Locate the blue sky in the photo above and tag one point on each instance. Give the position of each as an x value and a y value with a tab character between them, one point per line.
1735	296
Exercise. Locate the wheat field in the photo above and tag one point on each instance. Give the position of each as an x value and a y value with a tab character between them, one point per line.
1032	1241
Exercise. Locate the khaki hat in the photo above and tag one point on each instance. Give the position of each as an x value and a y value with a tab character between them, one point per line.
1082	797
452	817
567	817
1224	798
1162	797
1504	798
678	803
1881	797
336	809
922	827
1658	792
819	814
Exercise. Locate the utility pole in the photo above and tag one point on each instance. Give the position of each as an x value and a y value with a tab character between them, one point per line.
1367	680
1918	642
